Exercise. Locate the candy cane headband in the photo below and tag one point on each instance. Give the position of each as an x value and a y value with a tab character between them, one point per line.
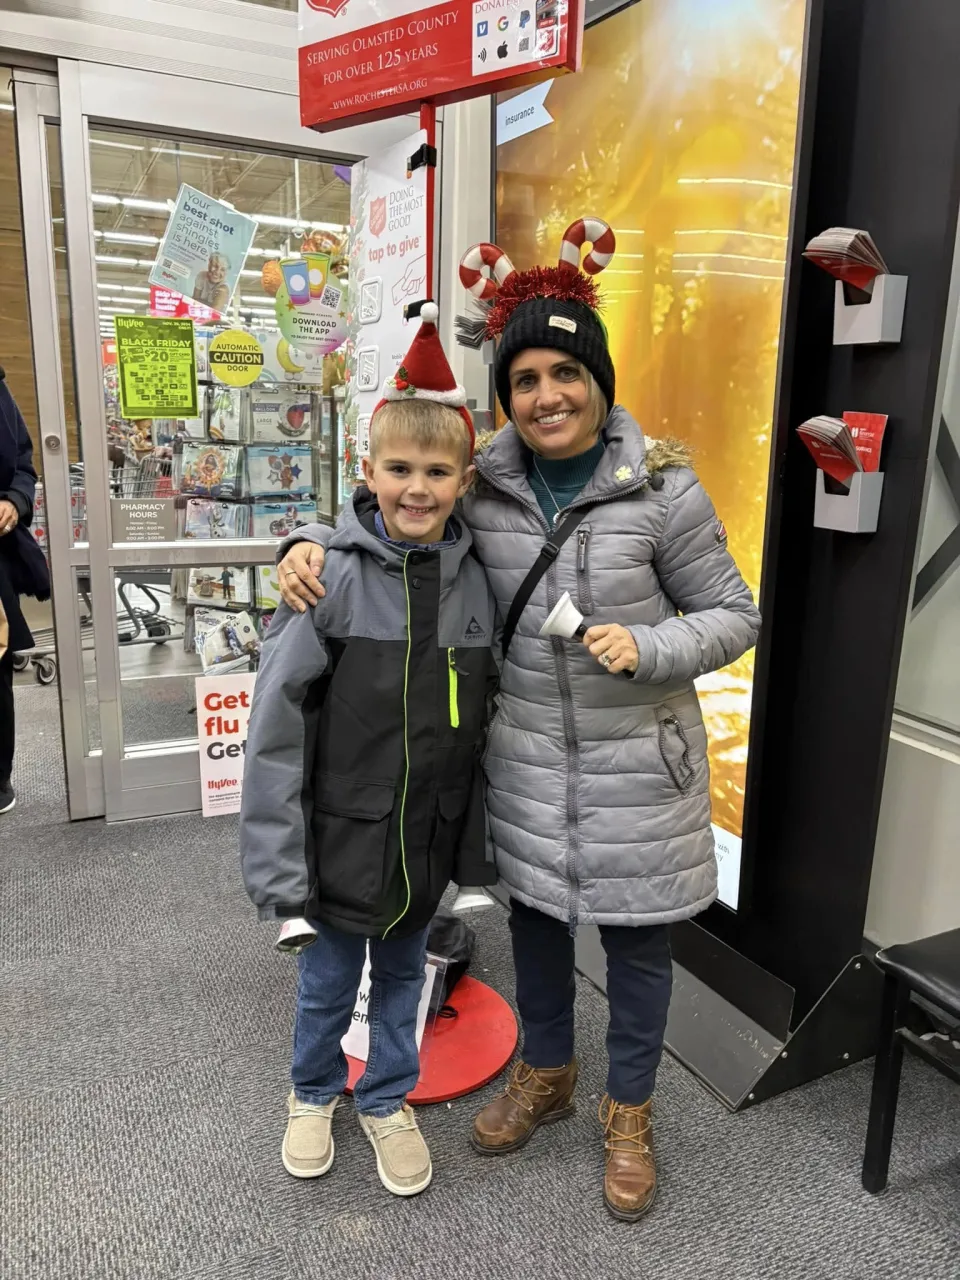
499	293
593	231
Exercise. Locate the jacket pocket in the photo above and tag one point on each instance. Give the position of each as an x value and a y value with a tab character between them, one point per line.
584	589
351	821
674	748
451	808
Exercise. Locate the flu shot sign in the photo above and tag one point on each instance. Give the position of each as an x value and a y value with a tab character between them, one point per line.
156	367
223	714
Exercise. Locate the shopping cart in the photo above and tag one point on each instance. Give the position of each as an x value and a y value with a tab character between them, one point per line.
148	477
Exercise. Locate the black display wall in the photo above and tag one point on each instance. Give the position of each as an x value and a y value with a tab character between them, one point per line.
879	149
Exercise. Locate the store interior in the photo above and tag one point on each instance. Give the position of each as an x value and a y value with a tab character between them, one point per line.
143	1095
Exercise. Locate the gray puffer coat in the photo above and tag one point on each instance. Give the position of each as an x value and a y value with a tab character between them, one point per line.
598	786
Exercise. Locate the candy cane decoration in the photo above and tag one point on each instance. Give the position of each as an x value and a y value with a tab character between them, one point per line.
602	241
471	270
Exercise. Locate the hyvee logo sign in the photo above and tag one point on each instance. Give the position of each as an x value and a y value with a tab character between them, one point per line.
332	7
378	216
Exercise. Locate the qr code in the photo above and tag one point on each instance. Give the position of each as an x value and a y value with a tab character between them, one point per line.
525	44
331	297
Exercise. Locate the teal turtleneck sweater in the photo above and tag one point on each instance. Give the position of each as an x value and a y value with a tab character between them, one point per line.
563	477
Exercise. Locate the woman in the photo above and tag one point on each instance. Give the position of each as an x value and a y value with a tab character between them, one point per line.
210	288
598	787
23	570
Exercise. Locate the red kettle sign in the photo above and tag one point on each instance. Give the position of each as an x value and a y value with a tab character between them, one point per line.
370	59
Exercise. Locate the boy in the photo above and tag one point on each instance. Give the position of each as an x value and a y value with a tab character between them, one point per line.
362	787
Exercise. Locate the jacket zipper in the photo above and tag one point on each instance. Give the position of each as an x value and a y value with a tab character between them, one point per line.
566	693
453	675
573	765
584	592
671	722
406	752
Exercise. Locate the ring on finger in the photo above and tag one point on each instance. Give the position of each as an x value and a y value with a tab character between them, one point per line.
291	573
605	659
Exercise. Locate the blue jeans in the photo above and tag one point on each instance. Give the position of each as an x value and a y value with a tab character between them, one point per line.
330	971
639	984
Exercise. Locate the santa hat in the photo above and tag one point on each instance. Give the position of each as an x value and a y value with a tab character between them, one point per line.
426	374
552	307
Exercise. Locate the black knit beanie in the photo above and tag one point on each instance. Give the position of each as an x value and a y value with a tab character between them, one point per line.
557	325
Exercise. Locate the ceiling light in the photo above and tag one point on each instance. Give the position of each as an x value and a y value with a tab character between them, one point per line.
734	257
119	261
6	106
328	226
194	155
110	287
98	198
734	182
254	297
743	275
121	146
251	274
123	237
271	220
755	235
134	202
117	311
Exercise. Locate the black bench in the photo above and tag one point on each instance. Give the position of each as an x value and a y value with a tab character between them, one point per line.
929	968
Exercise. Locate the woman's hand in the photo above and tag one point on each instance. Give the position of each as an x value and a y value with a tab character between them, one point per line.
299	572
9	517
613	647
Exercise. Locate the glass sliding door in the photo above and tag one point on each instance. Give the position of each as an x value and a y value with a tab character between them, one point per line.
181	515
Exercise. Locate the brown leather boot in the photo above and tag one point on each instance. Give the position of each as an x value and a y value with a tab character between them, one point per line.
534	1096
630	1179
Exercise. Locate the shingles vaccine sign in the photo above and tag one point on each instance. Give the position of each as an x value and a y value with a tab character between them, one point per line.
369	59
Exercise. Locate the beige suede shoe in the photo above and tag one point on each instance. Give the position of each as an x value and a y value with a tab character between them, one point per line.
403	1158
308	1143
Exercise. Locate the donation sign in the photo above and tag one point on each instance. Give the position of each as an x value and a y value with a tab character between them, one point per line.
157	367
223	714
388	269
203	249
369	59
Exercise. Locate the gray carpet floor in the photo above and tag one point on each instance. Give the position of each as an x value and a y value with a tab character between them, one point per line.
146	1023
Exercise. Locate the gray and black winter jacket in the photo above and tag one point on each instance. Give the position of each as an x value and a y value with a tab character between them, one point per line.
598	787
362	793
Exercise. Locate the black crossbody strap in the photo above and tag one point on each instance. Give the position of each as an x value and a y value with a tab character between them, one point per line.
548	553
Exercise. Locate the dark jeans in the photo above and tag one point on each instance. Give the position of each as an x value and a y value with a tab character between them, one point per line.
6	716
639	982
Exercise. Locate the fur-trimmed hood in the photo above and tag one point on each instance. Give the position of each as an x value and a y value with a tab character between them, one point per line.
660	454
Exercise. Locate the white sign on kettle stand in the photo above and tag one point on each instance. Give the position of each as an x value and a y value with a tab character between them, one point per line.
356	1043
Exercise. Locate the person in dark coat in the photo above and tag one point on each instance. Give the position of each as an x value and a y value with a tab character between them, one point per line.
23	569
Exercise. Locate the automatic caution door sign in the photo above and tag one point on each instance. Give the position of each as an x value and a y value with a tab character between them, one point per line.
236	358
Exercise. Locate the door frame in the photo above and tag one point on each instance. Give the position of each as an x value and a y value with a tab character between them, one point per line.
37	104
158	778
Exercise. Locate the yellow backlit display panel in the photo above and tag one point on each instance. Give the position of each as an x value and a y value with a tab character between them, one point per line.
681	132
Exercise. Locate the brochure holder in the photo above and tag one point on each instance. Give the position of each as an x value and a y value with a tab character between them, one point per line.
878	320
856	511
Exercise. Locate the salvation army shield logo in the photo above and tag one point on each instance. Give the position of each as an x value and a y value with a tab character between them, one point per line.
378	216
332	7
